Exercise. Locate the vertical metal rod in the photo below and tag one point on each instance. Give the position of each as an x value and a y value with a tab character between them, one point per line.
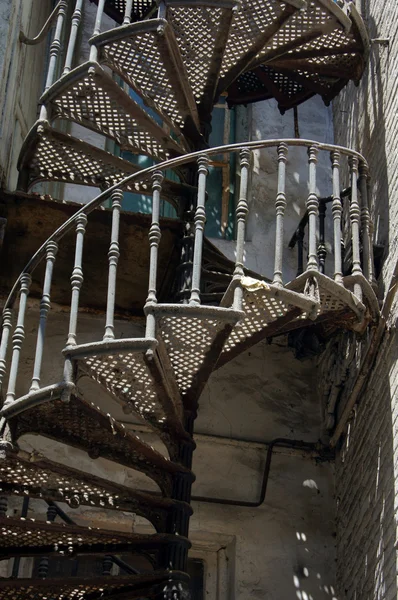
76	20
200	220
76	278
337	211
300	249
56	44
154	240
44	561
7	322
97	29
242	211
355	213
312	209
280	206
322	252
17	560
113	255
54	52
18	338
366	224
127	12
45	305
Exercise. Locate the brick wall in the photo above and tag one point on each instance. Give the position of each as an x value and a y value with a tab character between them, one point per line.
366	475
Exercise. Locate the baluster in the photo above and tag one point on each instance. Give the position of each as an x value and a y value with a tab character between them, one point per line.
367	243
127	12
18	338
76	20
7	322
45	305
3	506
300	249
107	565
44	561
280	206
97	29
355	213
113	255
154	240
242	210
322	253
200	220
76	278
337	210
312	209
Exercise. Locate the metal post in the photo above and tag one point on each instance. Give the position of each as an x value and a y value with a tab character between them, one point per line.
76	278
97	29
355	213
127	12
154	240
312	209
242	211
45	305
200	220
7	322
113	255
280	206
366	224
322	252
76	20
43	565
18	338
55	49
337	210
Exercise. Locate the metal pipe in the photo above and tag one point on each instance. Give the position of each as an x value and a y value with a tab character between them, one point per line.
17	559
281	442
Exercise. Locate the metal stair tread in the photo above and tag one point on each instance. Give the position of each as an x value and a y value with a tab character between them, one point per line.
130	371
84	426
193	337
24	474
161	78
90	97
122	587
51	155
267	309
330	50
30	537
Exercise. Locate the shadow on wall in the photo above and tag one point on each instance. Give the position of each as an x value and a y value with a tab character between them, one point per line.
360	123
365	486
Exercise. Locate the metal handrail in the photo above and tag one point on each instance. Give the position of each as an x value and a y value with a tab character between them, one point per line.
169	164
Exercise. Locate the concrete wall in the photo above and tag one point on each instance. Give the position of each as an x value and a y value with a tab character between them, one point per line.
366	477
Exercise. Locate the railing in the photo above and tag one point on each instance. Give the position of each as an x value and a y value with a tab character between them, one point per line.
356	223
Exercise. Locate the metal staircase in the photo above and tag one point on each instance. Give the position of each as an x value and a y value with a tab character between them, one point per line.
178	56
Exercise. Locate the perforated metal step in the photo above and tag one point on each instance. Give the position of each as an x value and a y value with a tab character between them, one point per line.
50	155
268	309
23	474
28	537
193	338
160	78
84	426
131	372
317	51
122	587
90	97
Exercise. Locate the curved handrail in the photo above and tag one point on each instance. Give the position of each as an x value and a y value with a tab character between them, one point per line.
169	164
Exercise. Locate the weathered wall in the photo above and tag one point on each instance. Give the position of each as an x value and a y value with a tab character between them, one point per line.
21	79
366	118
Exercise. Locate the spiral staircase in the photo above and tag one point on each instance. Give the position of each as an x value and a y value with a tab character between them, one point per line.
178	56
